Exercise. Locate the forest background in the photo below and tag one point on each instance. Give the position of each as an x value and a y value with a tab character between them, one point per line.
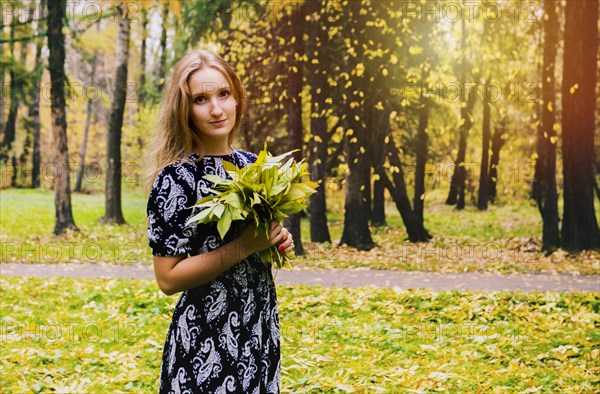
449	136
417	108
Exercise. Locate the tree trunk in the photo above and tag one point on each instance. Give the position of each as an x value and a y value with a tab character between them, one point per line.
498	142
113	212
414	226
56	64
34	114
3	92
18	164
483	194
317	146
381	129
356	231
17	93
162	68
34	109
370	119
459	176
294	119
86	131
580	227
142	88
378	213
457	183
14	85
544	185
422	142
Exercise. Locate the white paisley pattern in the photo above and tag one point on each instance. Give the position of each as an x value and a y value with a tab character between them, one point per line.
224	335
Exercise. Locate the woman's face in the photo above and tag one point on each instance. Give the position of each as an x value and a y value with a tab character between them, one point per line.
212	109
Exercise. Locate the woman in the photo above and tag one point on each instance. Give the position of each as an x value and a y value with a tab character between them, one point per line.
224	335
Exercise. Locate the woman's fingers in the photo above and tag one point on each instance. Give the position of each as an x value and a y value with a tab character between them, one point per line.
281	237
276	233
275	230
287	242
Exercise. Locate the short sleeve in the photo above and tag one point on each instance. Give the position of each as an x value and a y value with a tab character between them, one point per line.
169	208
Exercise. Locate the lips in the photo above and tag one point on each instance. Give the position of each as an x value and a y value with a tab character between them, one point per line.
218	122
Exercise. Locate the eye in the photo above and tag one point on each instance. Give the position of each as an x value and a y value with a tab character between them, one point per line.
224	94
200	99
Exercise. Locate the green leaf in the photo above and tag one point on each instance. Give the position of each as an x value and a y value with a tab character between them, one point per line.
224	224
234	200
295	192
291	207
228	166
218	210
200	217
213	178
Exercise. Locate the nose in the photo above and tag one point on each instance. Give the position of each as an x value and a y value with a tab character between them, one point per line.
215	108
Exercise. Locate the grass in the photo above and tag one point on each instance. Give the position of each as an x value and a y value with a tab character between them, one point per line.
106	335
504	239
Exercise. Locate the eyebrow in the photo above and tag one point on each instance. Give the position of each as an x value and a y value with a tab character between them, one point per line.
194	95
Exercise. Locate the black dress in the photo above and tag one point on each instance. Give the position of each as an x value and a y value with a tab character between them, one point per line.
224	335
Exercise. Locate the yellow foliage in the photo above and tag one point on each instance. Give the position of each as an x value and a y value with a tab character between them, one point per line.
415	50
574	88
360	69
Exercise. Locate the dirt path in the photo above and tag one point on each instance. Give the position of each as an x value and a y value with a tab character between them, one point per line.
344	278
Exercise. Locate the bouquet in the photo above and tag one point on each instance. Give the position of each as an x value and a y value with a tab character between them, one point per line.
261	192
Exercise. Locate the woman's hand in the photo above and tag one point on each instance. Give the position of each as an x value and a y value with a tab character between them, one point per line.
277	235
287	243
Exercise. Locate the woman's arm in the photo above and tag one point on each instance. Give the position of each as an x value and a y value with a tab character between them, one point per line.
179	273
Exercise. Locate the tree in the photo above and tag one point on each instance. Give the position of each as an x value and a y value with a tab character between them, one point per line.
34	108
162	65
56	66
427	60
580	228
544	185
414	227
18	77
356	231
23	78
379	124
142	89
2	77
498	141
113	212
483	194
317	146
456	195
86	130
295	26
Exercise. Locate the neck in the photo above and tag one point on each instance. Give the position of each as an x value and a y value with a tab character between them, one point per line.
215	147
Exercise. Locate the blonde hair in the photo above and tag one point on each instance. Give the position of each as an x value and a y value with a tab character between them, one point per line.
175	138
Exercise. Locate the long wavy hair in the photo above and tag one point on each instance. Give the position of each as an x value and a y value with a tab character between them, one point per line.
175	136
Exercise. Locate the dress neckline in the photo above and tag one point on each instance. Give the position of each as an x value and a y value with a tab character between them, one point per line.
234	151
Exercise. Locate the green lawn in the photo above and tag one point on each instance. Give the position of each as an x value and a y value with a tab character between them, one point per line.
106	335
504	239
